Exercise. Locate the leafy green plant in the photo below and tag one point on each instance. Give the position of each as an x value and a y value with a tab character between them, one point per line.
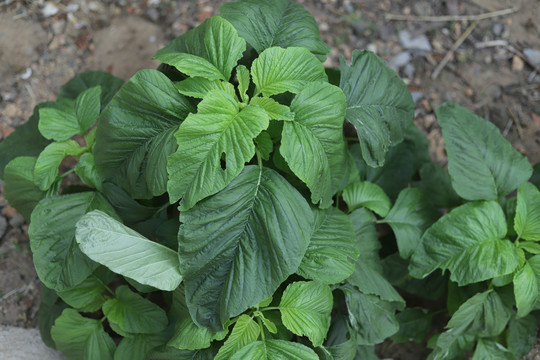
221	210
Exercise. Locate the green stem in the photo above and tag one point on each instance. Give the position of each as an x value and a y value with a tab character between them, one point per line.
262	328
67	173
105	286
259	159
270	308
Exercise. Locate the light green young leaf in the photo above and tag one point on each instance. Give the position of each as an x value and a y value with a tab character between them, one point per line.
379	104
278	70
305	310
20	190
46	168
530	246
210	50
27	134
491	350
86	296
136	134
245	331
282	23
469	242
521	335
269	324
78	337
274	110
134	314
368	195
410	216
333	248
102	238
242	75
58	121
86	170
527	220
275	350
224	242
219	131
87	107
526	290
59	262
264	144
198	87
314	140
483	165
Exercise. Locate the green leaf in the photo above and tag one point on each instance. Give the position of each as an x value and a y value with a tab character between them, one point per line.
368	195
87	108
275	350
59	262
274	110
78	337
79	83
245	331
483	165
410	216
46	167
137	347
135	134
314	140
363	222
50	309
198	87
491	350
86	296
242	75
27	134
219	131
264	144
305	310
372	319
58	121
526	290
225	240
278	70
521	335
20	190
333	248
128	209
414	324
436	182
280	23
270	326
211	50
529	246
379	104
102	238
468	241
86	170
134	314
527	220
370	281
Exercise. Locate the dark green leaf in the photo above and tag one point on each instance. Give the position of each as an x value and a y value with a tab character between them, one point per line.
436	182
135	134
526	289
50	309
521	335
483	165
86	296
363	222
86	170
230	235
469	242
527	220
219	131
280	23
137	347
414	324
128	209
275	350
379	104
333	248
370	281
368	195
59	262
211	50
85	80
264	144
81	338
491	350
102	238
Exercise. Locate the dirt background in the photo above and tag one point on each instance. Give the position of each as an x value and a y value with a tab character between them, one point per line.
495	72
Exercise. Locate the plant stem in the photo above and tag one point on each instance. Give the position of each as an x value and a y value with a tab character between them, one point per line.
262	328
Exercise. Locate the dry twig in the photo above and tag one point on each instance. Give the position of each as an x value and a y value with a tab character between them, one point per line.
451	17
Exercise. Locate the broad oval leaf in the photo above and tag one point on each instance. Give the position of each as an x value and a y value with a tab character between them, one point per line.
521	335
379	104
135	134
469	242
86	296
198	87
57	121
526	290
59	262
47	163
108	83
219	131
279	23
245	331
137	346
491	350
314	140
275	350
275	110
126	252
134	314
87	108
305	309
81	338
527	219
239	245
86	170
365	194
483	165
278	70
371	282
333	248
210	50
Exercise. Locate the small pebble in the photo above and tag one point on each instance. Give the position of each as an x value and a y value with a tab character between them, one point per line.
419	42
49	9
17	220
497	29
517	64
409	70
532	55
3	226
416	95
58	27
399	60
